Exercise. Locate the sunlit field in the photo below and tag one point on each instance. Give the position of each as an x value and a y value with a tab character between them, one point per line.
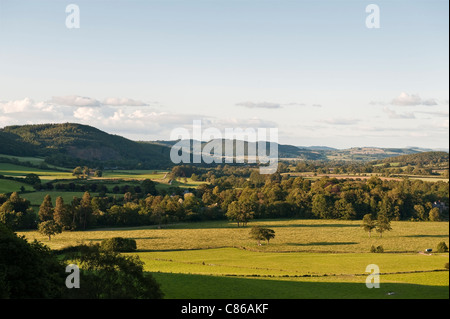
306	259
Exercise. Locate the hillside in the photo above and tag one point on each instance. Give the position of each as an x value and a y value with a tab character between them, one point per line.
284	151
71	145
66	144
424	158
12	144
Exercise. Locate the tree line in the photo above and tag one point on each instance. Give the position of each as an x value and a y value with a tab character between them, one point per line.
240	199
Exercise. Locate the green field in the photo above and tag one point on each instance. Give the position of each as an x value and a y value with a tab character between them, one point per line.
36	198
7	186
306	259
8	169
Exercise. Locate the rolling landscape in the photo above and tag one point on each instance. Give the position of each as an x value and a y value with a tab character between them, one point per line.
196	158
185	219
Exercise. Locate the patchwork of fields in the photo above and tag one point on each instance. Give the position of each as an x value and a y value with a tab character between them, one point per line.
306	259
216	259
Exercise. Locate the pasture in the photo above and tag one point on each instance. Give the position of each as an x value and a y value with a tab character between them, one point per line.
306	259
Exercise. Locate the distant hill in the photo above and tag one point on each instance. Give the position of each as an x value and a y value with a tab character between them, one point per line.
69	144
284	151
423	158
368	154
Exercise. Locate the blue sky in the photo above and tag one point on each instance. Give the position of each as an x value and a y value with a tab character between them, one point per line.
310	68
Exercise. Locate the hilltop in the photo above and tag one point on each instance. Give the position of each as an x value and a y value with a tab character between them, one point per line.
66	144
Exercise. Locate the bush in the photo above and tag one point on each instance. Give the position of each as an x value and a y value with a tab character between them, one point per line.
442	247
106	274
119	244
378	249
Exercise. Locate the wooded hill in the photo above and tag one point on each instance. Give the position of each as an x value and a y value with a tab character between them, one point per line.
71	145
425	158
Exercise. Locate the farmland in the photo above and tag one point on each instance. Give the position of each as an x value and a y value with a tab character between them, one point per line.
305	260
309	258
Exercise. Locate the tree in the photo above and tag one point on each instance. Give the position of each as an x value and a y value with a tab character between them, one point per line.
419	211
442	247
16	213
434	214
33	180
49	228
119	244
85	209
149	187
77	171
368	223
383	224
106	274
320	206
239	212
46	209
28	270
259	233
98	173
61	214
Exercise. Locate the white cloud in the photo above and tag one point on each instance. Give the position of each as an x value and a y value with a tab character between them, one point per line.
272	105
405	99
123	102
394	115
260	105
17	106
75	100
340	121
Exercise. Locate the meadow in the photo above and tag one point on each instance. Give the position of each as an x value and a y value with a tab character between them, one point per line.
216	259
306	259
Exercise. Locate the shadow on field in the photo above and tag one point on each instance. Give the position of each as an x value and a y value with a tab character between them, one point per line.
188	286
136	238
314	225
323	243
426	236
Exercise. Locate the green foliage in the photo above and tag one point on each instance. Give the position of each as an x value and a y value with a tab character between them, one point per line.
119	244
16	213
69	144
49	228
28	270
378	249
240	212
368	223
46	209
383	224
259	233
105	274
442	247
434	214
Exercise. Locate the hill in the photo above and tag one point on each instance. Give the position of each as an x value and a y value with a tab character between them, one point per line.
423	158
284	151
12	144
70	144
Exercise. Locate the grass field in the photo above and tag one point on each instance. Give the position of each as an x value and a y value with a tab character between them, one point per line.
36	198
8	169
7	186
306	259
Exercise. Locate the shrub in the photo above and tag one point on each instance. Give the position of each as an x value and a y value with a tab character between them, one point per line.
378	249
442	247
119	244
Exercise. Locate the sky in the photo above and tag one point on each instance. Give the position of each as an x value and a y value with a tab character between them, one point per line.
311	69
